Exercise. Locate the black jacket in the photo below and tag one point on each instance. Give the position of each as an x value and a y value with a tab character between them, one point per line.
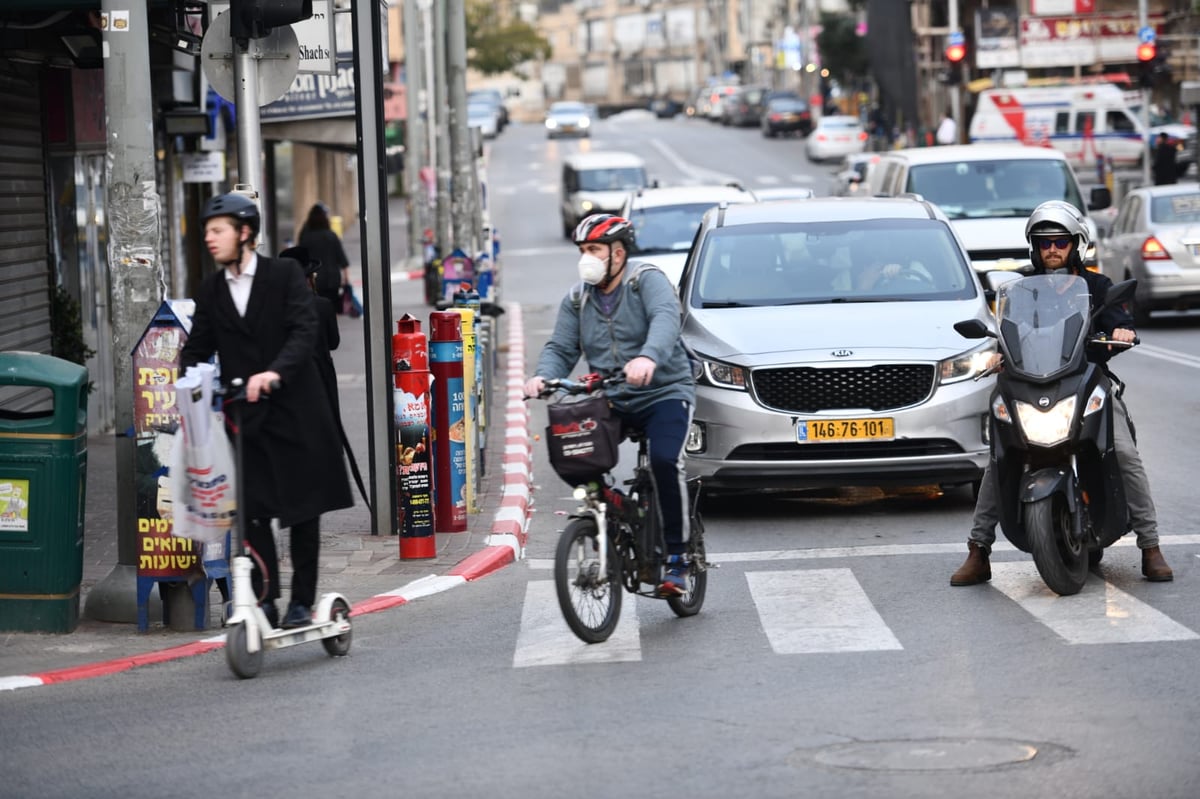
294	468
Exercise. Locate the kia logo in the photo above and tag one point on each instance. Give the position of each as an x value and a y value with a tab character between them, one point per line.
842	353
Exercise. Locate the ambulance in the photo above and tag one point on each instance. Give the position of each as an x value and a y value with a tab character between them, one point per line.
1084	122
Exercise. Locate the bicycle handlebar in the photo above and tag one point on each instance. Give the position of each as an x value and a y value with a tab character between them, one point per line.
586	384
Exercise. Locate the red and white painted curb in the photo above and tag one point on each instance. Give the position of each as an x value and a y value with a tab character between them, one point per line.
505	545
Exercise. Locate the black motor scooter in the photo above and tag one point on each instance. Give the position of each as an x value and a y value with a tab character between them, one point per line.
1058	482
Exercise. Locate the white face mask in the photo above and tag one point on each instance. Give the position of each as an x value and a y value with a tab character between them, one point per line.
592	269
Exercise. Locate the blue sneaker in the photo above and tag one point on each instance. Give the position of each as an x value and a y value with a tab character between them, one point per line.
675	575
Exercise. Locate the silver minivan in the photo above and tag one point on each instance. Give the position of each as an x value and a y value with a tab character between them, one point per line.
598	182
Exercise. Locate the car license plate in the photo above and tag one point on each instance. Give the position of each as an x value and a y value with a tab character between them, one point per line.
820	431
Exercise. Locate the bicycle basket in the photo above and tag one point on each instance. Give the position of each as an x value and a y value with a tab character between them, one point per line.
582	438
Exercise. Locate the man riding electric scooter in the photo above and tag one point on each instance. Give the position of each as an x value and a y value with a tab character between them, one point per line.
1057	240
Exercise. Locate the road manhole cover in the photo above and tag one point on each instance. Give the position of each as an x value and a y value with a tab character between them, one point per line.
932	754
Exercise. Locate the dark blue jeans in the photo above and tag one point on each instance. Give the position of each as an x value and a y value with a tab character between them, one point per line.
666	425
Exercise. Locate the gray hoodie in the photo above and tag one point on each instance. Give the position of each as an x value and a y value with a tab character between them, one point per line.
645	322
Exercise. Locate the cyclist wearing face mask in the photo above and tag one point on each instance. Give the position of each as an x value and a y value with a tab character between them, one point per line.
628	320
1057	239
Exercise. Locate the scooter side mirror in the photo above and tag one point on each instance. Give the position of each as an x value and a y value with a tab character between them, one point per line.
1120	293
973	328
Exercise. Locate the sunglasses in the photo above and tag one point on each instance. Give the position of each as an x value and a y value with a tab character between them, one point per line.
1059	244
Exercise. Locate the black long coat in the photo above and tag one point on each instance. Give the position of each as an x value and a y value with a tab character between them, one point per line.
294	468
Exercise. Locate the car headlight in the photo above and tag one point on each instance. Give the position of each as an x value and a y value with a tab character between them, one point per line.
969	364
586	205
583	123
1049	427
550	123
724	375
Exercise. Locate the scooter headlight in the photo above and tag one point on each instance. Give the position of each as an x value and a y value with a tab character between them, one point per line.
1049	427
1000	410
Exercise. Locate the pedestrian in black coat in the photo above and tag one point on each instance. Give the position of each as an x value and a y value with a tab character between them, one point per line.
1164	161
258	316
318	237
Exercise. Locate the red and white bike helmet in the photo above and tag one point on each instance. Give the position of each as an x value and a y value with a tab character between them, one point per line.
604	229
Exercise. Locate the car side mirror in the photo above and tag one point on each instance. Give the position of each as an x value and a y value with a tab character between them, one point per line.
1100	199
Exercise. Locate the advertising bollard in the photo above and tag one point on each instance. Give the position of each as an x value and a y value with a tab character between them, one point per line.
470	437
457	268
449	422
43	468
414	473
468	297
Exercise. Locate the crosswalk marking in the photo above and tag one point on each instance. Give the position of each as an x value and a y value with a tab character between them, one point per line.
545	639
818	610
1099	614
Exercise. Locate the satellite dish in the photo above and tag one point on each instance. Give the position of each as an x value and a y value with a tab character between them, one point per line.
275	55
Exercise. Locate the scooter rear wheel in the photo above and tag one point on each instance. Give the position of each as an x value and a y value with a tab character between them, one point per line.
337	646
242	662
1061	560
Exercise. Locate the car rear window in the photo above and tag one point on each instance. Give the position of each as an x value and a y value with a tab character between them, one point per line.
621	179
829	262
1175	208
787	105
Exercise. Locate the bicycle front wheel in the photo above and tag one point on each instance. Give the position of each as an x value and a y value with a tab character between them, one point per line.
590	601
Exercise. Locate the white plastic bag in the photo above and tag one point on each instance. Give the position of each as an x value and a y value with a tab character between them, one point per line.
203	483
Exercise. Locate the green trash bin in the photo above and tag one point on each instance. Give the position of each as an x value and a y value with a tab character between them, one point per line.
43	468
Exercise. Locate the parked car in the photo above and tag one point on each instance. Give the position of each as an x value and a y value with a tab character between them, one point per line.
485	117
786	115
496	99
598	182
835	136
568	119
1156	240
665	220
744	107
717	96
816	368
665	107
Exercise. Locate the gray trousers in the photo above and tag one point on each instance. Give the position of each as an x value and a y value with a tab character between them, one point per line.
1137	490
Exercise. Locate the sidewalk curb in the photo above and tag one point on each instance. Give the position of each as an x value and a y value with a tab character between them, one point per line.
506	544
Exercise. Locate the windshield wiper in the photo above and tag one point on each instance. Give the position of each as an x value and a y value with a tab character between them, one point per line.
1011	211
723	304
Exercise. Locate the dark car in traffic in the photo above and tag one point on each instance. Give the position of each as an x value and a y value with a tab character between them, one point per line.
786	115
744	108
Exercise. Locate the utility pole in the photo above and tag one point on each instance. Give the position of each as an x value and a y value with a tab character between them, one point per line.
462	158
135	272
445	235
414	136
956	112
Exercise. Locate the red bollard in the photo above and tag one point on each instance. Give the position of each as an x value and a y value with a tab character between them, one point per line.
449	422
414	475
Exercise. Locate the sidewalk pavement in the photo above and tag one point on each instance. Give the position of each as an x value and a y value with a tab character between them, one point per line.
366	568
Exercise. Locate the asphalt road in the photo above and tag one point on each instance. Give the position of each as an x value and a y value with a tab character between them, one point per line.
832	657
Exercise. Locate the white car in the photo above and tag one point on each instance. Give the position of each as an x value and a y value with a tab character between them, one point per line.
485	117
665	221
835	137
569	119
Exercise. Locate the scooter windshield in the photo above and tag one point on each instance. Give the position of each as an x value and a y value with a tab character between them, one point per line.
1043	321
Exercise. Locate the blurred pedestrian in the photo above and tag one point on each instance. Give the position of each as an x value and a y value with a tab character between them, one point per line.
1165	168
258	316
947	132
323	244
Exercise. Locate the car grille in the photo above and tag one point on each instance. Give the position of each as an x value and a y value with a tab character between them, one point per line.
807	389
862	450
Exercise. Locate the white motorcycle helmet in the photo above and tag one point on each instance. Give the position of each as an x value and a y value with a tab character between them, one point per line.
1053	219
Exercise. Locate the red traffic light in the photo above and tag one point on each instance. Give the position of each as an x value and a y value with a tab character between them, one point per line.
956	53
1146	51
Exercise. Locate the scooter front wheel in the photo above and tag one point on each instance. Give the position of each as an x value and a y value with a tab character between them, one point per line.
242	662
338	645
1061	560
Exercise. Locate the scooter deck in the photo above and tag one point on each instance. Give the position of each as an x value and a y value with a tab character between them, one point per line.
280	638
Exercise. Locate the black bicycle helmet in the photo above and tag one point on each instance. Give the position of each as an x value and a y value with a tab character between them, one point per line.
1056	218
604	229
238	206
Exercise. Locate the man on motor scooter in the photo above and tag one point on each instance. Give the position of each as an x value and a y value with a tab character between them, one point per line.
1057	240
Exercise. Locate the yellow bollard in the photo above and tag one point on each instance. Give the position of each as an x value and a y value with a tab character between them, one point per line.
335	224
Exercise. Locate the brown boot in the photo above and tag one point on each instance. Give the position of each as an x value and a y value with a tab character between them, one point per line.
975	569
1154	566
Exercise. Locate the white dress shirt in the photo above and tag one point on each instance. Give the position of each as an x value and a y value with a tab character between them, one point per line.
240	285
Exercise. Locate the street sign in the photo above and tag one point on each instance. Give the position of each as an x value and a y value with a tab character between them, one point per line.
274	55
955	38
1146	35
315	38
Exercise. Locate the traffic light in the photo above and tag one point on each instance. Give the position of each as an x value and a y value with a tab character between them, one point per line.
1146	52
254	19
955	53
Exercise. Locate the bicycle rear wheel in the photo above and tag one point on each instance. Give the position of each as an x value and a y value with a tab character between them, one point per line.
697	582
590	601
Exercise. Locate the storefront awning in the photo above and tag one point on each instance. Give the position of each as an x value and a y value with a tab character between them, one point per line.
336	132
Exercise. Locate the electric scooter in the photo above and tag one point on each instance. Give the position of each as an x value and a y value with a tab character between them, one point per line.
249	631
